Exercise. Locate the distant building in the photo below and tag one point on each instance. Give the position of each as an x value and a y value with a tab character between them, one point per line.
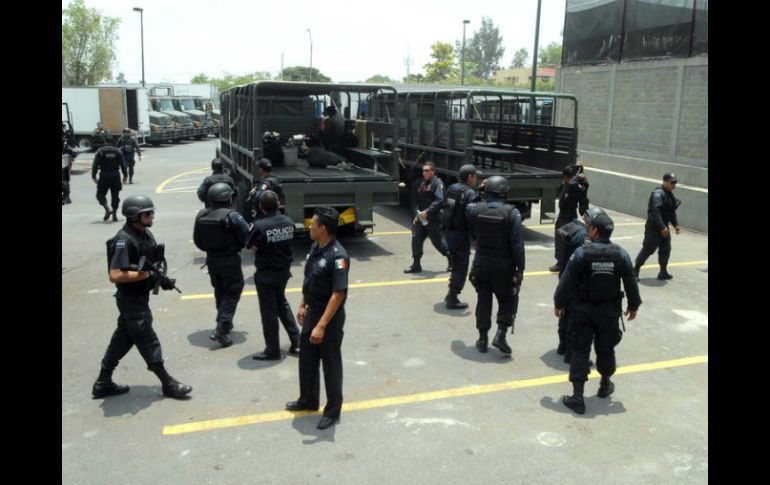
523	75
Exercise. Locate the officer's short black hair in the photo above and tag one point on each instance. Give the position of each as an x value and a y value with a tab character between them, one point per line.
265	164
268	200
467	170
604	224
216	165
329	218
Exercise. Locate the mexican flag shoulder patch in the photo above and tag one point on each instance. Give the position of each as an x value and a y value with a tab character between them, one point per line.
340	264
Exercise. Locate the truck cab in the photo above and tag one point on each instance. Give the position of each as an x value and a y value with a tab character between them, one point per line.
186	104
183	124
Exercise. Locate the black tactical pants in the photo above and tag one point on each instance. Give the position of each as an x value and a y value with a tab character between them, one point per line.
598	324
273	306
460	252
134	328
227	279
130	162
329	354
109	181
559	244
420	232
493	279
653	240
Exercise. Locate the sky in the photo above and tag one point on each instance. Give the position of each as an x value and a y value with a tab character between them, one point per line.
351	40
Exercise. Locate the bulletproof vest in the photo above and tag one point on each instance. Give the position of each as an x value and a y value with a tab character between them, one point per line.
454	208
569	198
670	204
493	230
565	233
600	277
425	197
274	248
214	231
109	159
137	247
273	185
126	145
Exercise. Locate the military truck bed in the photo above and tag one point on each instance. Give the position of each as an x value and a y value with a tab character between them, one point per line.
296	170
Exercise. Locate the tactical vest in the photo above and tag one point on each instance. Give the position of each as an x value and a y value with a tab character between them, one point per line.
670	205
600	277
214	232
454	208
126	145
136	249
109	159
565	233
425	197
493	231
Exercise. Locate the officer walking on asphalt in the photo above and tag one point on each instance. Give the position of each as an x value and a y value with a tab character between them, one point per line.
661	211
109	162
128	146
427	219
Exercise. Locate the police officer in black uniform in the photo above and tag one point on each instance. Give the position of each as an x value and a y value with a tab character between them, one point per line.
661	211
221	232
572	235
591	285
267	181
322	316
124	252
573	198
128	146
458	196
498	265
108	161
427	221
67	143
216	177
270	239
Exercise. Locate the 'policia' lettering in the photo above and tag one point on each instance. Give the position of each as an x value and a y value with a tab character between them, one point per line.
280	234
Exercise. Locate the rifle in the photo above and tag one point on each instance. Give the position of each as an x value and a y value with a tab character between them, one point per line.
159	268
515	306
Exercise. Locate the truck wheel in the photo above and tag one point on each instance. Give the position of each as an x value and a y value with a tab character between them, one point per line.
84	143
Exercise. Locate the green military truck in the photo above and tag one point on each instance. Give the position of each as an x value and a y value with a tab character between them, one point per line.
293	110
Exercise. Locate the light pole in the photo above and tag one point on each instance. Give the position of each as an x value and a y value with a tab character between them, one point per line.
533	85
462	56
141	23
310	72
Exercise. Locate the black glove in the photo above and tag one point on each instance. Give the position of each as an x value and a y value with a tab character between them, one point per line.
167	283
153	279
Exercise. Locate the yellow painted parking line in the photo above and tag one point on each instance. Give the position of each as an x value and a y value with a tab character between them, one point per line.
422	397
378	284
163	184
539	226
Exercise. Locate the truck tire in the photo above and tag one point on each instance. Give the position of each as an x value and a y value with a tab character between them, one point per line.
84	142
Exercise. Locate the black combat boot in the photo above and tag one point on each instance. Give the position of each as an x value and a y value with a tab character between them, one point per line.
575	401
415	267
663	275
107	212
555	268
482	342
104	386
561	349
294	346
499	340
114	215
453	303
171	387
223	339
606	387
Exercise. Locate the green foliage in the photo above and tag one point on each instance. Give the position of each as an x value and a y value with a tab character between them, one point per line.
520	58
301	73
121	79
87	45
414	78
230	80
200	79
380	79
550	55
485	50
443	65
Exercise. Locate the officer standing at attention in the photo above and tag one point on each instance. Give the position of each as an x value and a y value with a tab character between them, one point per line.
322	316
458	196
128	146
591	286
661	211
108	161
270	239
221	231
217	176
498	265
124	252
267	181
573	199
427	221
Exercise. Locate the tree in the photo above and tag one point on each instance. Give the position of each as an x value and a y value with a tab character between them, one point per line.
414	78
87	45
380	79
443	65
550	55
121	79
230	80
520	58
200	79
484	50
300	73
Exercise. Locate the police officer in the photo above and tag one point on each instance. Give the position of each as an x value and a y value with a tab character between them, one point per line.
591	286
458	196
221	232
108	161
322	316
427	222
267	181
218	175
67	142
573	235
573	198
270	239
498	265
128	146
661	211
124	252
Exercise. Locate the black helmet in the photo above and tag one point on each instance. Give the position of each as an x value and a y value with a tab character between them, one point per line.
216	165
265	164
497	184
220	192
591	214
467	170
136	204
126	131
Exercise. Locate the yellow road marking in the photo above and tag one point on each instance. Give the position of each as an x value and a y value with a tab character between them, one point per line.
539	226
422	397
163	184
378	284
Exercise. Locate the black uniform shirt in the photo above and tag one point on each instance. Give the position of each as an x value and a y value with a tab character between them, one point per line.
326	271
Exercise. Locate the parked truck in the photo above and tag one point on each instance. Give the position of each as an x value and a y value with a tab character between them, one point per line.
289	109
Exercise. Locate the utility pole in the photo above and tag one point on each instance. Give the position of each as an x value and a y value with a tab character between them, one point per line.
462	56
